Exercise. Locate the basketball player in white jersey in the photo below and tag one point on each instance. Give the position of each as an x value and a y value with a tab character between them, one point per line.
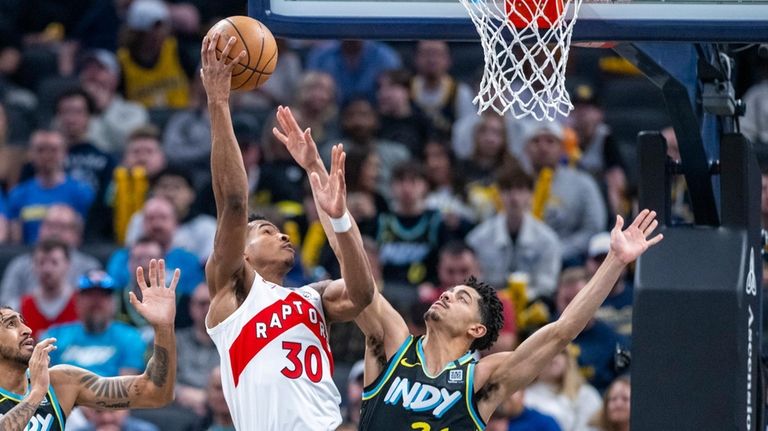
273	341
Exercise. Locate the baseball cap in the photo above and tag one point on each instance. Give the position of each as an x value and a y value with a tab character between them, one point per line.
599	244
356	373
96	279
539	128
144	14
105	58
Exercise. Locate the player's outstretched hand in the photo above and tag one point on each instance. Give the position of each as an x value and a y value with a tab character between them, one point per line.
38	367
216	74
298	142
158	303
332	197
630	243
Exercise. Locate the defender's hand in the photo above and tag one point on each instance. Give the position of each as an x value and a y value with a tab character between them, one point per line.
158	303
299	143
332	197
629	244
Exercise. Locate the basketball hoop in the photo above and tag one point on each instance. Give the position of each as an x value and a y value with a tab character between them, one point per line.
526	46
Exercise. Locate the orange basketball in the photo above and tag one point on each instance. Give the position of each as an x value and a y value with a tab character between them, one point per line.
260	50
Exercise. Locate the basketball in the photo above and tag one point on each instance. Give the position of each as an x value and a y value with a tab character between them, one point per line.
260	50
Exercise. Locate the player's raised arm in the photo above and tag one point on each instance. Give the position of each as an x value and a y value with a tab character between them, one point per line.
343	299
501	374
303	149
153	388
230	182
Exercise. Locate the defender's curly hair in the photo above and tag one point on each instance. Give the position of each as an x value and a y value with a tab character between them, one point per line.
491	313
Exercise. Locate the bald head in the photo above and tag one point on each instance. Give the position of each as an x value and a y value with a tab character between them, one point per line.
62	222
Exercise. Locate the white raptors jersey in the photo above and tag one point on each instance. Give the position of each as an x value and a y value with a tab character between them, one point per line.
276	364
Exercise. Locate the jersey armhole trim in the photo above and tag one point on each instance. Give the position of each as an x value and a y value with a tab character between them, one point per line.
386	375
56	406
471	407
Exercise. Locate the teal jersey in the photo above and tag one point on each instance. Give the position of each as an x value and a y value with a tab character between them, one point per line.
47	417
406	397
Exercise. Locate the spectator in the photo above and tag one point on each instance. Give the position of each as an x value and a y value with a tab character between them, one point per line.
281	180
615	413
443	98
3	218
409	236
514	241
354	393
85	162
754	123
196	231
616	310
12	156
524	418
364	201
197	354
61	223
360	126
143	149
96	341
681	210
597	343
490	149
115	118
401	120
355	65
155	71
448	193
28	201
572	205
111	420
218	417
53	298
160	225
279	89
317	106
187	135
561	392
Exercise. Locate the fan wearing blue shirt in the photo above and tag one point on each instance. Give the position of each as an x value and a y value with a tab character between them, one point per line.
513	415
97	342
29	200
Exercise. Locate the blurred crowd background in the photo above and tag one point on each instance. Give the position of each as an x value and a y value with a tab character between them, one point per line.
104	165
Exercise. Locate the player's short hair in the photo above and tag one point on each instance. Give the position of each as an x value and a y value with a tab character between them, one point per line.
491	313
255	216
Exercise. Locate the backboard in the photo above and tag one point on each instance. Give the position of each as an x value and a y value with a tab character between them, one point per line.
636	20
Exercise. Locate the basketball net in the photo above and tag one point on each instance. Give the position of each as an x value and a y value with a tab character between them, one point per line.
526	46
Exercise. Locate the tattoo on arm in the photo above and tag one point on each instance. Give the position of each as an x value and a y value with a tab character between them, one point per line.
157	369
18	417
106	388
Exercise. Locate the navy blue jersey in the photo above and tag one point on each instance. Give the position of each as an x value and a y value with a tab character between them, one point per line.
406	397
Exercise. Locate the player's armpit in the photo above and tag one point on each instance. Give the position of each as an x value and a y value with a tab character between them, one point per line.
383	325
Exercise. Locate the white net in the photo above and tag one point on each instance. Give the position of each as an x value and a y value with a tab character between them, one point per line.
526	46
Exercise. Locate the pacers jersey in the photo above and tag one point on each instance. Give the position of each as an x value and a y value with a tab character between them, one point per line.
47	417
276	364
406	397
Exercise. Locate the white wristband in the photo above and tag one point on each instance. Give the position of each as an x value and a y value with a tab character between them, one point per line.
341	224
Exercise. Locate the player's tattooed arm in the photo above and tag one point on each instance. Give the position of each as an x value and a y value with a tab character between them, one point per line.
18	417
152	389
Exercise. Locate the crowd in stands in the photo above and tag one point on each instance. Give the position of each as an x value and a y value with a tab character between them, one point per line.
104	165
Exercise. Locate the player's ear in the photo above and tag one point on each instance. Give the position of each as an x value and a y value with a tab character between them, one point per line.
477	330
